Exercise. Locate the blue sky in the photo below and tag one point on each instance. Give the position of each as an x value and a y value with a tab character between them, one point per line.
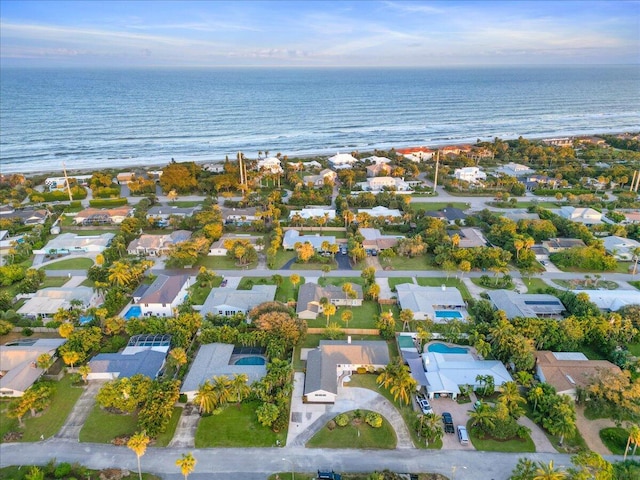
309	33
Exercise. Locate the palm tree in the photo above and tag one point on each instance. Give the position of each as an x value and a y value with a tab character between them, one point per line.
634	437
536	394
511	398
483	417
84	370
329	310
70	357
222	390
120	274
406	316
346	316
548	472
205	398
240	388
186	463
295	280
138	443
179	356
403	385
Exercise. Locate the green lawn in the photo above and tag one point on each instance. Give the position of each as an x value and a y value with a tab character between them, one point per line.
355	435
282	257
615	439
102	426
339	281
363	317
50	421
602	284
422	262
398	280
186	203
199	293
452	282
636	284
407	411
422	206
493	445
70	264
535	284
164	438
222	263
284	293
634	348
87	283
236	427
53	282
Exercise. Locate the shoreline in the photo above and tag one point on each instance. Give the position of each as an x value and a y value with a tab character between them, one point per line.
155	163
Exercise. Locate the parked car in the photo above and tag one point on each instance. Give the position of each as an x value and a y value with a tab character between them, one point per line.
424	405
224	283
462	435
447	419
477	405
343	251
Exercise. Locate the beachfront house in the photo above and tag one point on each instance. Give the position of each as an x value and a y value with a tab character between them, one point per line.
342	160
416	154
470	174
334	360
310	294
271	165
440	304
381	184
165	295
611	300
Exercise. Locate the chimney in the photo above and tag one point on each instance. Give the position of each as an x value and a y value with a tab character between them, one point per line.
444	287
349	340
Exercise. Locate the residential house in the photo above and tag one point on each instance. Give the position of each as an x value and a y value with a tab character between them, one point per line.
416	154
47	301
515	170
291	237
591	140
451	215
554	245
315	212
442	374
376	241
123	178
342	160
481	153
534	182
7	243
103	216
143	355
376	160
18	363
517	215
164	295
585	215
213	167
526	305
469	237
73	243
217	360
309	296
569	371
239	216
218	248
439	304
157	245
328	364
558	142
621	248
611	300
382	212
160	214
380	184
298	166
470	174
378	169
229	301
26	216
631	218
60	183
271	164
321	178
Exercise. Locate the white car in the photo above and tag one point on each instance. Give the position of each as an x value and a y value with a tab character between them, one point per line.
424	405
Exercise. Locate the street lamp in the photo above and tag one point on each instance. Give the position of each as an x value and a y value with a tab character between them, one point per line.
293	473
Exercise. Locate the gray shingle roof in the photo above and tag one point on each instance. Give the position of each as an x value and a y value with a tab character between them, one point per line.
525	304
147	362
312	292
164	289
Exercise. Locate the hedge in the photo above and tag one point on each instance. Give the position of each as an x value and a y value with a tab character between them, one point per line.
108	202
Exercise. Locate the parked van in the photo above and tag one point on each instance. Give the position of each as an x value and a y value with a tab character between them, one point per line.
462	435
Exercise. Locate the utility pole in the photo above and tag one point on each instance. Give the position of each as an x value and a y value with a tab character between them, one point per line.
66	180
435	178
633	180
241	169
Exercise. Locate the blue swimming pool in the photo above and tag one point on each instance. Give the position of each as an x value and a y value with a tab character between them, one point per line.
133	312
251	361
85	319
442	348
448	314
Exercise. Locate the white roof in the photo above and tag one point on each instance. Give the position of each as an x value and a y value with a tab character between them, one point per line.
423	299
621	244
291	237
612	300
343	158
307	213
244	300
376	160
380	211
47	301
71	241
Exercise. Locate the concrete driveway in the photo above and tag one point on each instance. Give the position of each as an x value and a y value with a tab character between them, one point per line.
460	414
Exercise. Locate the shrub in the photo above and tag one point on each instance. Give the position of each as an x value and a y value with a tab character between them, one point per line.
106	203
373	419
27	332
62	470
342	420
361	370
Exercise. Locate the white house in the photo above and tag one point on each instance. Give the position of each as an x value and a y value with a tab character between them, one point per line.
376	160
73	243
585	215
380	211
164	295
157	244
379	184
218	248
271	164
291	237
318	212
470	174
123	178
621	248
515	170
342	160
416	154
18	363
60	183
320	179
334	359
47	301
229	301
440	304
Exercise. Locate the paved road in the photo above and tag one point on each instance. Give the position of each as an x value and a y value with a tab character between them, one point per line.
258	463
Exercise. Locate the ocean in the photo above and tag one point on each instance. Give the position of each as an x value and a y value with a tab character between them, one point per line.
99	118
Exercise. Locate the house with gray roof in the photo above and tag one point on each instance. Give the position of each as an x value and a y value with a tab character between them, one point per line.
160	214
18	363
611	300
144	354
157	244
291	237
73	243
309	295
215	360
440	304
335	359
527	305
164	295
47	301
621	248
229	301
